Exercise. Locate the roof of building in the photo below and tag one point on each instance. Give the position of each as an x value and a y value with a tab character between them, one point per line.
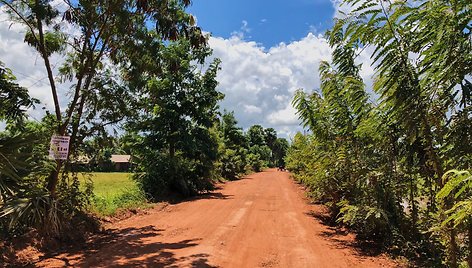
120	158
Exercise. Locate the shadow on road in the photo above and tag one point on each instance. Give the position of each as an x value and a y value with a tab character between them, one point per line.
342	238
213	195
177	199
128	248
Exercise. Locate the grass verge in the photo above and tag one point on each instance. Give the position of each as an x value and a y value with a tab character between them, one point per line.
114	192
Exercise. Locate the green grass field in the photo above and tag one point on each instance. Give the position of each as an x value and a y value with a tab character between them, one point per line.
114	191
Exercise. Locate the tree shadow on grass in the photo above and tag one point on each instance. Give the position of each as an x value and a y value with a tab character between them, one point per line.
130	247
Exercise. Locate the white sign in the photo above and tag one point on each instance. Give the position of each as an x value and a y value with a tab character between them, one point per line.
59	148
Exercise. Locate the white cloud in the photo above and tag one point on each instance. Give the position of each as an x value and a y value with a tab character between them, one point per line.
243	31
28	66
245	27
251	109
285	117
341	7
259	83
24	62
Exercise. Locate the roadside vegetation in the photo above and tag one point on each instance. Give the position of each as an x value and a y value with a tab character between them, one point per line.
113	192
135	79
100	63
392	162
395	165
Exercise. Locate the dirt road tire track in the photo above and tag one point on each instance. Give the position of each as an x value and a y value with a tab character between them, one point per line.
260	221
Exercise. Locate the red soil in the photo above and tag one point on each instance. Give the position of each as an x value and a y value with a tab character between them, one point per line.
260	221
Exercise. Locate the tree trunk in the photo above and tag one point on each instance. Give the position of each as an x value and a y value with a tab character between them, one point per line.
53	179
414	208
171	149
453	249
54	176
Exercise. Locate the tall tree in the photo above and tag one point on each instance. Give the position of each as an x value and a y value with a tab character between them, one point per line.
107	30
178	112
233	135
233	155
14	99
419	69
256	135
270	139
281	146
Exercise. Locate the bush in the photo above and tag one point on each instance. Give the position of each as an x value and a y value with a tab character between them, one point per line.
254	162
32	206
162	173
233	163
370	223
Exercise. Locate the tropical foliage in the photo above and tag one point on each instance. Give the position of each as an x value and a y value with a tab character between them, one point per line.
140	65
179	109
233	147
106	41
378	159
100	44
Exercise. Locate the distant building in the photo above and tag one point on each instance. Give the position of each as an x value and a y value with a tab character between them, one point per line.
121	162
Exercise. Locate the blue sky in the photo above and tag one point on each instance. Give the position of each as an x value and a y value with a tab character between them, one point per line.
268	22
268	49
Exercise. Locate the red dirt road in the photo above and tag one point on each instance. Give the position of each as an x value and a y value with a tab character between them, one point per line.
260	221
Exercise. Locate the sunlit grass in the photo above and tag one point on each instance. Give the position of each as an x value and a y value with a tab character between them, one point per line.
114	191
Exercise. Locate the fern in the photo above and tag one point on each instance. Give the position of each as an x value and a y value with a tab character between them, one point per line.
459	183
